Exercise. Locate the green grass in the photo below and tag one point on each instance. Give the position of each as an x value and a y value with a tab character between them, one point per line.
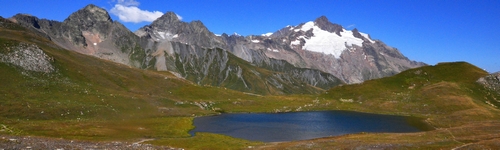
207	141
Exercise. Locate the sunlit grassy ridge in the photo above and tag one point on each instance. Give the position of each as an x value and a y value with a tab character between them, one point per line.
87	98
447	95
447	89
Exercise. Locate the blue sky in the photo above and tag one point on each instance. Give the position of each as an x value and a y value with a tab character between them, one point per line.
430	31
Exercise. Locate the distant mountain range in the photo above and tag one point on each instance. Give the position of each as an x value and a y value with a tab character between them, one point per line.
307	58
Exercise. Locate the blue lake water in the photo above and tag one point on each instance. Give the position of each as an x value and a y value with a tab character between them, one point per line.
275	127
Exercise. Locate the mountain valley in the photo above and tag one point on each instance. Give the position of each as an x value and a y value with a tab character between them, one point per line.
91	81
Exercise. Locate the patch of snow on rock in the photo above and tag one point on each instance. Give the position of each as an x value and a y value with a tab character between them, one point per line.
367	37
162	34
328	43
267	34
255	41
296	42
273	50
165	35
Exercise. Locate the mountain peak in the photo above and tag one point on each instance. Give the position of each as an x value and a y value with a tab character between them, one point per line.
323	23
167	18
90	12
91	7
321	20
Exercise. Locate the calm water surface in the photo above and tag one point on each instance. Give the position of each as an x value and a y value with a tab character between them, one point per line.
274	127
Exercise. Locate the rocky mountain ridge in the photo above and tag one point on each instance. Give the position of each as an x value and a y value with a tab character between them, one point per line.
186	49
90	31
169	28
316	53
351	56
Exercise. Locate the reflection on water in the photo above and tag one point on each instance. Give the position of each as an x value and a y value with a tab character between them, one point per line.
274	127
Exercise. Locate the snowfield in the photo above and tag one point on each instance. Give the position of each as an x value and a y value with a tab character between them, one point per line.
325	42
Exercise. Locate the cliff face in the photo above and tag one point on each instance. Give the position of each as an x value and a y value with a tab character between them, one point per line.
217	67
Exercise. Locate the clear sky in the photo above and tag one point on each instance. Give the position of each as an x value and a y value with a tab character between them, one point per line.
430	31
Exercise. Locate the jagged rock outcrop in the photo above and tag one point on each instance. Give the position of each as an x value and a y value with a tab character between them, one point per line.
168	27
491	81
29	57
323	23
90	31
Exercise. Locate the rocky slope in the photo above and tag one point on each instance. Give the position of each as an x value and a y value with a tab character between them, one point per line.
90	31
29	57
491	81
217	67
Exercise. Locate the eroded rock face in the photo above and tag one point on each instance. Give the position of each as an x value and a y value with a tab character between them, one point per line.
29	57
491	81
217	67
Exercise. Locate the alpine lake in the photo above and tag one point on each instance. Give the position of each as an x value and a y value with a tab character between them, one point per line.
293	126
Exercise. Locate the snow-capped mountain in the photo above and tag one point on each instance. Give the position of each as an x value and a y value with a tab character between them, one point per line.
350	55
322	41
194	52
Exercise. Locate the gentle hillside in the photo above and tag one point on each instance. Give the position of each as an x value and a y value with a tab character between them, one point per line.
447	89
464	113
